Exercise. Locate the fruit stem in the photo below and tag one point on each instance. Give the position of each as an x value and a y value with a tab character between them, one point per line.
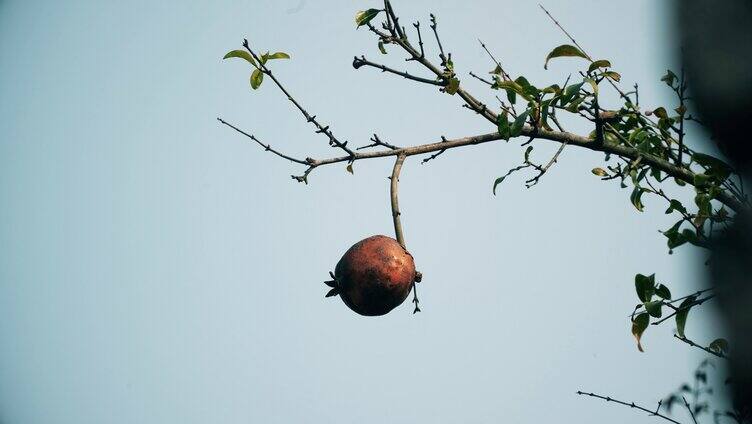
395	201
396	217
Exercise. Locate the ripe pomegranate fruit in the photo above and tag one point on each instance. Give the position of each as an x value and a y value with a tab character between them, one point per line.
374	276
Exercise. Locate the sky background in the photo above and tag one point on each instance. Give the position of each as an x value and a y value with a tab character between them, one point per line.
157	267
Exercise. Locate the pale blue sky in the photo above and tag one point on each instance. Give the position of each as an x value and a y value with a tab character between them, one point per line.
159	268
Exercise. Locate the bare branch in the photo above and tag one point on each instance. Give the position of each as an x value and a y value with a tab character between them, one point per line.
434	26
504	74
377	142
565	32
631	405
333	141
420	41
689	408
533	181
396	29
362	61
266	147
483	80
435	155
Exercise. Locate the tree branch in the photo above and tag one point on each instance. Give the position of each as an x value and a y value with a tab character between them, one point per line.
267	147
631	405
541	134
362	61
333	141
693	344
689	408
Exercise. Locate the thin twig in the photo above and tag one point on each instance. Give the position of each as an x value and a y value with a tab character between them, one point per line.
684	308
362	61
631	405
267	147
481	79
689	408
565	31
435	155
378	142
434	26
333	141
672	301
608	78
533	181
693	344
420	41
396	28
504	73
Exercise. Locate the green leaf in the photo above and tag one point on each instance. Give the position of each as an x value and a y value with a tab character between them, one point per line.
716	167
552	89
527	153
669	78
661	113
241	54
363	17
639	325
681	316
565	50
529	90
514	87
719	346
645	287
511	96
676	205
613	75
502	123
257	77
516	128
599	172
350	168
703	203
453	86
277	55
654	308
636	198
570	92
496	183
381	47
575	105
545	108
701	180
675	238
599	64
663	292
593	84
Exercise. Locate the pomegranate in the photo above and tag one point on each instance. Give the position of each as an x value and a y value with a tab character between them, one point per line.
374	276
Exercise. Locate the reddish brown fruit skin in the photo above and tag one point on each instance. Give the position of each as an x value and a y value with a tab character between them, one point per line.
375	275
